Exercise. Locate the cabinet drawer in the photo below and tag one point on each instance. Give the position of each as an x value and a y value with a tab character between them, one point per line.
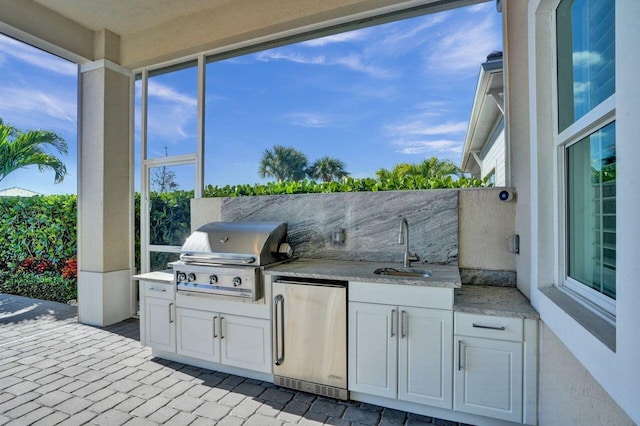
401	295
159	290
501	328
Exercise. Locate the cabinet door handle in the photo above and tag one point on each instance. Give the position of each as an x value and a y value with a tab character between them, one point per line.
170	313
221	327
403	330
279	328
460	351
489	327
393	315
215	321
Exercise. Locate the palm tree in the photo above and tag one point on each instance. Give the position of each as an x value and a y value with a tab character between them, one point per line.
327	169
283	163
22	149
431	168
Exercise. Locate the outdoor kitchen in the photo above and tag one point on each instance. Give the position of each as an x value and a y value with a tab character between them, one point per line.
393	312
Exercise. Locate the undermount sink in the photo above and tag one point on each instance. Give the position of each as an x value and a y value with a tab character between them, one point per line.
403	272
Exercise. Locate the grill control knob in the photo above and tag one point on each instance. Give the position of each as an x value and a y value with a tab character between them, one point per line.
213	279
181	276
191	277
237	281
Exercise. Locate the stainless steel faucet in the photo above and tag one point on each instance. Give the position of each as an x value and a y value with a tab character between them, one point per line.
407	256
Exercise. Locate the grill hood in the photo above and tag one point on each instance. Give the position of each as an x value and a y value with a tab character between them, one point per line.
241	243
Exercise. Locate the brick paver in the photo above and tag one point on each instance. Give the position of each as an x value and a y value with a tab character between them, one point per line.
54	371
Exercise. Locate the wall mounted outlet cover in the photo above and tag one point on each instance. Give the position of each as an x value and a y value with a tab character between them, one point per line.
337	237
513	244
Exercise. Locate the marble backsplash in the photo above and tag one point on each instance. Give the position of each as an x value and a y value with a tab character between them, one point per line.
371	223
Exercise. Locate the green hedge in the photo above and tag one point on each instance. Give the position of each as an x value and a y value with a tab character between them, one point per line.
47	285
42	227
346	185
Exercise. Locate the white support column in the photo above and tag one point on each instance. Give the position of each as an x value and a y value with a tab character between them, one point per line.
104	200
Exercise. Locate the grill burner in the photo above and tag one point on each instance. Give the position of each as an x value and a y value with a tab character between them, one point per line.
227	258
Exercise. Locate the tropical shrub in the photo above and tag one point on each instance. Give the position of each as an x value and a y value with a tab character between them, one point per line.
38	246
49	285
387	183
41	228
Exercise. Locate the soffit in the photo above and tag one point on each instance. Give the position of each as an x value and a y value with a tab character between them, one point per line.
126	16
484	114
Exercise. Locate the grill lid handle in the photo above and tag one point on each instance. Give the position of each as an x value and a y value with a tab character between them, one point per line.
212	258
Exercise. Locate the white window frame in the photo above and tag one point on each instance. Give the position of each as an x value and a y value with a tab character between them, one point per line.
600	116
196	159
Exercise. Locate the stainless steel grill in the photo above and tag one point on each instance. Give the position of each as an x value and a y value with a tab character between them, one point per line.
227	258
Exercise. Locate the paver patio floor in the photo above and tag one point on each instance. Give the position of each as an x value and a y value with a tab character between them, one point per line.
54	370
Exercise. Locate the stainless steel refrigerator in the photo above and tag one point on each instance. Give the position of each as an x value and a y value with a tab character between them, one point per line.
310	336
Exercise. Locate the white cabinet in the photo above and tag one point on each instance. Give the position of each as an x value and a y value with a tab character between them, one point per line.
158	317
425	356
245	343
489	366
227	339
373	349
401	352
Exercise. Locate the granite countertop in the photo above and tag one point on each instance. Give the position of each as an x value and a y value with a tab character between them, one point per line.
447	276
165	276
493	300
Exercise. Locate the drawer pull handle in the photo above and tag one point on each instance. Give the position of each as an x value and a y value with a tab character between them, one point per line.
393	315
489	327
161	290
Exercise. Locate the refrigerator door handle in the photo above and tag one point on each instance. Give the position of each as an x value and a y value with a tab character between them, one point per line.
279	328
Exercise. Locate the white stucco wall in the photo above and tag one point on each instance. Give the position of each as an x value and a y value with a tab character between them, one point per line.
569	395
485	225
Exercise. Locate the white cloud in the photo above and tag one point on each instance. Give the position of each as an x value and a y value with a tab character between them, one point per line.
482	7
39	110
586	58
464	46
13	49
354	62
275	55
422	127
440	146
403	37
580	88
307	119
356	35
169	94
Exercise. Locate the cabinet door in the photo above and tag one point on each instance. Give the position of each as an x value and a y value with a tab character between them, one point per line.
373	349
159	323
197	332
425	357
245	342
488	377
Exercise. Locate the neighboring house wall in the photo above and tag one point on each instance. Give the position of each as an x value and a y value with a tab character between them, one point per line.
17	192
493	159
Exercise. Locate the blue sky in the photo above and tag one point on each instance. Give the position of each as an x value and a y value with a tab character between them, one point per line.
375	97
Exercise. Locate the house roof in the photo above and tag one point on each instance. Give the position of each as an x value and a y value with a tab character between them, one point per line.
488	107
17	192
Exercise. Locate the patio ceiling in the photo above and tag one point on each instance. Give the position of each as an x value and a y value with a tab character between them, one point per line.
150	32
